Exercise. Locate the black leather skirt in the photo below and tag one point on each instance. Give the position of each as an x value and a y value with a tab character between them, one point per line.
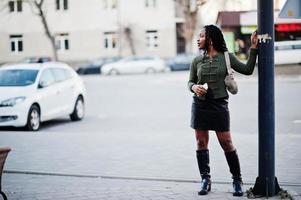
210	114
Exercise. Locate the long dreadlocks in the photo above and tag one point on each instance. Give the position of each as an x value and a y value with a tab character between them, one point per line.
215	37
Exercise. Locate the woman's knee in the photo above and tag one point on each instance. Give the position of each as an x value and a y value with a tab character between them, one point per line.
202	139
225	141
227	145
202	144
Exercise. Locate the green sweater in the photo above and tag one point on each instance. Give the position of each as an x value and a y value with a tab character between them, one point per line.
214	70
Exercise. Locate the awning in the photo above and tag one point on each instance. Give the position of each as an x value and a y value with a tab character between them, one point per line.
250	19
228	18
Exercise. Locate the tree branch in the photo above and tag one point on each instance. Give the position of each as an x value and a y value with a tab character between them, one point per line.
39	5
129	34
190	13
3	6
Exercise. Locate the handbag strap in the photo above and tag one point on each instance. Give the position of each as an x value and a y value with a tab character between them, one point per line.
227	58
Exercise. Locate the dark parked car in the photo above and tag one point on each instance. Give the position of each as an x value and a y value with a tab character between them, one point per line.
88	68
95	66
180	62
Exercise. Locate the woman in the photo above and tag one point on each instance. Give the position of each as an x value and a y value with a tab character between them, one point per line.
210	105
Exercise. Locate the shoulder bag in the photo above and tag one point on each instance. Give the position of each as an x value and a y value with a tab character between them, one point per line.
230	83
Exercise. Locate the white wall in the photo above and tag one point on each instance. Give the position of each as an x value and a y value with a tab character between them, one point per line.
86	21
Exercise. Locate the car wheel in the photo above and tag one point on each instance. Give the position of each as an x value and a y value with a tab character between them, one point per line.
150	70
33	119
113	72
79	110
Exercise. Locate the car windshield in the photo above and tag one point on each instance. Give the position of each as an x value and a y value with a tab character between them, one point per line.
17	77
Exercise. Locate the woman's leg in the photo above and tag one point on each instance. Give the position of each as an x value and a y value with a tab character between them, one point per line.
202	154
225	141
202	138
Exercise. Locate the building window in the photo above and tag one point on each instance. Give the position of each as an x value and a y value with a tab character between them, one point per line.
15	6
61	4
150	3
62	42
16	43
110	40
110	4
152	39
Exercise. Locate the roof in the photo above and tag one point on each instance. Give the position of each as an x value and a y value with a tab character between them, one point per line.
247	18
228	18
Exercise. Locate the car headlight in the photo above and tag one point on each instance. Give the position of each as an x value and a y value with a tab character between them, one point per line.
12	101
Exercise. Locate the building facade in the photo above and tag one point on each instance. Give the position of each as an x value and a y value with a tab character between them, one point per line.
87	30
238	27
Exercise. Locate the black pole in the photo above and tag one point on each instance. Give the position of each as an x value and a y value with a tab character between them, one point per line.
266	183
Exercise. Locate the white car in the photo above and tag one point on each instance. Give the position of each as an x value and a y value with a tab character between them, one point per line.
288	52
33	93
135	64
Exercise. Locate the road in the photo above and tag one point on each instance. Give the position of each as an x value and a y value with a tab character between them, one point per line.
138	126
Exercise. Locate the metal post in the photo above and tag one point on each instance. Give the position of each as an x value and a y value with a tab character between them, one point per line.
266	183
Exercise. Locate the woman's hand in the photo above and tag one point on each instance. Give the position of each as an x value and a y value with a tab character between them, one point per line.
199	90
254	40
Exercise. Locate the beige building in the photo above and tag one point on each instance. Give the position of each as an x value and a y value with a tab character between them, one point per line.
90	29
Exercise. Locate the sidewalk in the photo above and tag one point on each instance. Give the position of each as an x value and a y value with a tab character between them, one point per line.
48	187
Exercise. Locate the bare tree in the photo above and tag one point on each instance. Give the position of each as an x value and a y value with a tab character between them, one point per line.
3	6
37	7
38	4
190	14
129	37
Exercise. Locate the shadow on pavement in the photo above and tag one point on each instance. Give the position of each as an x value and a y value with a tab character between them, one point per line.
44	126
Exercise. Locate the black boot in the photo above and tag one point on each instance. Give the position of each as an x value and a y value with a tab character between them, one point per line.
203	163
233	162
205	186
237	188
